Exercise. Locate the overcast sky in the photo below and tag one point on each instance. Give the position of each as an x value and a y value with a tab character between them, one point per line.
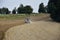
15	3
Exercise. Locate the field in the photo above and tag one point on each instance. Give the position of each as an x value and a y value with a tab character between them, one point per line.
40	30
11	20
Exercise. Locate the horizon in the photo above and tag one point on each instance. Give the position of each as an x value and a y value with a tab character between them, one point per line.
11	4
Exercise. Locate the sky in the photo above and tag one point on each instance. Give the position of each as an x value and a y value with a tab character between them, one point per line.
11	4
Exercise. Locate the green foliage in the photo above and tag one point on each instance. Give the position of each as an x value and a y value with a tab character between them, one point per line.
26	9
0	10
20	9
4	10
14	11
11	16
54	9
51	8
41	8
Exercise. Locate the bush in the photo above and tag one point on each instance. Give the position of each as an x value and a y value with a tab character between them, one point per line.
54	9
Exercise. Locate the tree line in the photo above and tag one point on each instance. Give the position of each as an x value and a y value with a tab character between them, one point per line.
22	9
19	10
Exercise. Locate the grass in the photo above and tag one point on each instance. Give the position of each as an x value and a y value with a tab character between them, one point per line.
11	16
16	16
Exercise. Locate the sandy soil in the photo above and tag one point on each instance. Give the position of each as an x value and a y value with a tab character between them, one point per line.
4	25
40	30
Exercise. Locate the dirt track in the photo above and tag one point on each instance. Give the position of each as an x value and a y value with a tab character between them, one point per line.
6	24
40	30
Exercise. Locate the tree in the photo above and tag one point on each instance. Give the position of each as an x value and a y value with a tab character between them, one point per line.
51	8
5	10
28	9
20	9
0	10
54	9
41	8
14	11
